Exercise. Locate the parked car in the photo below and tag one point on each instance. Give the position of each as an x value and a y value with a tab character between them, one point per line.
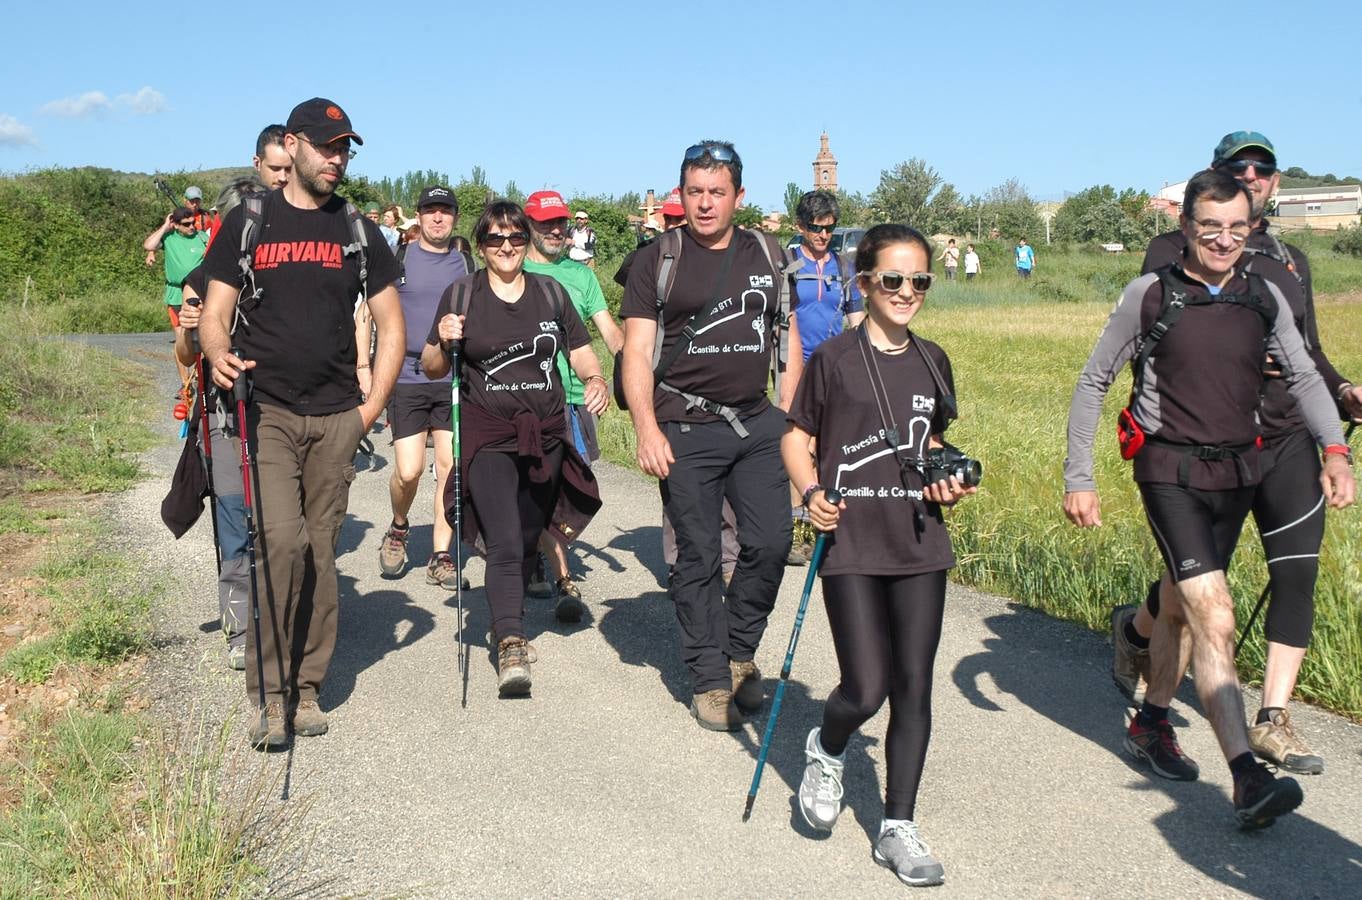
844	241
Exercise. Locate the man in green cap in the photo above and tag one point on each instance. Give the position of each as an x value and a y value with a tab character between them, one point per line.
1288	504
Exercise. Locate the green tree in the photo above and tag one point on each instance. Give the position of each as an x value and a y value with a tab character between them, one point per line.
1010	209
904	195
514	193
1099	214
792	194
855	210
948	211
748	217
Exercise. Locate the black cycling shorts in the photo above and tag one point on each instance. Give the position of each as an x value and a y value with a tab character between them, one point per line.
1196	530
414	408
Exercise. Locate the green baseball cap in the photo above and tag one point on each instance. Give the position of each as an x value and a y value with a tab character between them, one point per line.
373	207
1237	141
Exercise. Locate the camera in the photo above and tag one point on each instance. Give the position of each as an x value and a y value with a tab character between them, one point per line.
941	463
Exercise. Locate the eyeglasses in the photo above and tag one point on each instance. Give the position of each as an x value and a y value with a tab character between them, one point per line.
335	148
717	152
1211	231
1241	166
495	240
825	229
892	281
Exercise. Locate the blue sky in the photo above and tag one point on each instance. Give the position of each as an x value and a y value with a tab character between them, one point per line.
604	97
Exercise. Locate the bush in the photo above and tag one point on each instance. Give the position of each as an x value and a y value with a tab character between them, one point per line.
1349	241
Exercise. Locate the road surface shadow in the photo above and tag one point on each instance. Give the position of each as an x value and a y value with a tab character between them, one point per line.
368	630
645	543
643	632
1296	857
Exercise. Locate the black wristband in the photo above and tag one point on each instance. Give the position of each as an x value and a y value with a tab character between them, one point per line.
809	492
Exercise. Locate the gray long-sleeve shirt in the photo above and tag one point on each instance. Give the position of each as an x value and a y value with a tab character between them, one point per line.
1201	384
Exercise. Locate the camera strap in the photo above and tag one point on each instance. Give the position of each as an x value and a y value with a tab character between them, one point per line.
890	425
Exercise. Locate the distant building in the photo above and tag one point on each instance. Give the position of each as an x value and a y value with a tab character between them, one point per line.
1169	198
1330	206
824	167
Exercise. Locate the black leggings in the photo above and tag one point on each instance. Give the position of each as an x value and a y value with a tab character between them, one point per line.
886	630
512	512
1288	506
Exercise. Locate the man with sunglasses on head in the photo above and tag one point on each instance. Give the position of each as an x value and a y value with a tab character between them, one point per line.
549	240
706	430
285	314
1195	332
1288	504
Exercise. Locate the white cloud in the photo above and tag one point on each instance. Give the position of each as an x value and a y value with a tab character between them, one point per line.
14	133
86	104
146	102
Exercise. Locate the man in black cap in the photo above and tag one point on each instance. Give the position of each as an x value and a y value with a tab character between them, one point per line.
283	310
421	405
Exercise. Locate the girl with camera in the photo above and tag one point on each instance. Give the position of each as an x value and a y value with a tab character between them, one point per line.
877	399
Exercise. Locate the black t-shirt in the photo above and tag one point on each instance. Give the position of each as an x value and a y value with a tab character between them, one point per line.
511	348
301	332
836	404
729	360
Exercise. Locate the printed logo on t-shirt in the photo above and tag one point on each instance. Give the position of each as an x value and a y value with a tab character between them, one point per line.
853	480
521	350
923	404
273	255
752	303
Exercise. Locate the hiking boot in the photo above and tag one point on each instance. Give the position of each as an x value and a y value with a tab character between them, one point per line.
569	607
442	571
392	553
1277	742
716	711
902	849
540	586
748	692
308	719
268	730
820	791
513	667
1129	664
1259	797
236	656
1158	746
530	653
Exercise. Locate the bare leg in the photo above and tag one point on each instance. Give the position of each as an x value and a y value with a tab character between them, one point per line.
443	533
1279	678
1209	612
556	555
409	457
1170	646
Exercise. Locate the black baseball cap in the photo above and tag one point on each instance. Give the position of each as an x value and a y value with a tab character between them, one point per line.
322	121
435	195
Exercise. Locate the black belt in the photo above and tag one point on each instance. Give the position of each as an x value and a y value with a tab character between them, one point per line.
1209	452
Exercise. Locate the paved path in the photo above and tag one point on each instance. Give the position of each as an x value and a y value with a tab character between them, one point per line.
601	784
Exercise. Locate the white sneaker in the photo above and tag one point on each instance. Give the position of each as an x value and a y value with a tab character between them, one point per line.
902	849
820	791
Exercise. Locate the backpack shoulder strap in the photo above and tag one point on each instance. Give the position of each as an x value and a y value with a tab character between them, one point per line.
468	264
1170	310
668	252
252	227
401	257
359	246
783	268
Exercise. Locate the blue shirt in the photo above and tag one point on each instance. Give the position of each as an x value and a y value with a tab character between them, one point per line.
822	292
1026	257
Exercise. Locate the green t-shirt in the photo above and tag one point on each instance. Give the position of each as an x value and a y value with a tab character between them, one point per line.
585	292
183	255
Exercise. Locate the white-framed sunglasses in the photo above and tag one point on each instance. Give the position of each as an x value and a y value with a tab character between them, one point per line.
891	281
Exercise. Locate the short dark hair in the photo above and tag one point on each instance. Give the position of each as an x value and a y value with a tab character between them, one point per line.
881	236
1213	184
816	205
270	134
707	161
498	213
181	213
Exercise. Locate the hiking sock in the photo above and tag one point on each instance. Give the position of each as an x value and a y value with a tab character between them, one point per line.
1134	637
1242	764
1151	715
1265	714
1152	600
401	528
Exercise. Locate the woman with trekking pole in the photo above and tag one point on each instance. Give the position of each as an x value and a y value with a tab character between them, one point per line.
522	473
878	399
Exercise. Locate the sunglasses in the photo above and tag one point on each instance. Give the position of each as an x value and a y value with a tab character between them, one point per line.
717	152
186	224
495	239
891	281
1210	232
815	229
1240	166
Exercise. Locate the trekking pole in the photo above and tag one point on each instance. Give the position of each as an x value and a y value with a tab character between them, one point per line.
1248	626
240	391
456	473
206	439
165	189
833	496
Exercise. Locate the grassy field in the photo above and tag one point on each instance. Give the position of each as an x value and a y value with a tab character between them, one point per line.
1017	349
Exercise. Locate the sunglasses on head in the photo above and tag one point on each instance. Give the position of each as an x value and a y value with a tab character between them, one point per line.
717	152
1240	166
891	281
495	239
825	229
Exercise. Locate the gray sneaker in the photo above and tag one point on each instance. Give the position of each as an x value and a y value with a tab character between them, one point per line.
902	849
1129	664
820	793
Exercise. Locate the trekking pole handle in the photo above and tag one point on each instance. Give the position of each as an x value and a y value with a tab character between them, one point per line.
194	335
240	390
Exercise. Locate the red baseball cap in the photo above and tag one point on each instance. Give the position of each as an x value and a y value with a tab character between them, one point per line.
545	206
672	205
